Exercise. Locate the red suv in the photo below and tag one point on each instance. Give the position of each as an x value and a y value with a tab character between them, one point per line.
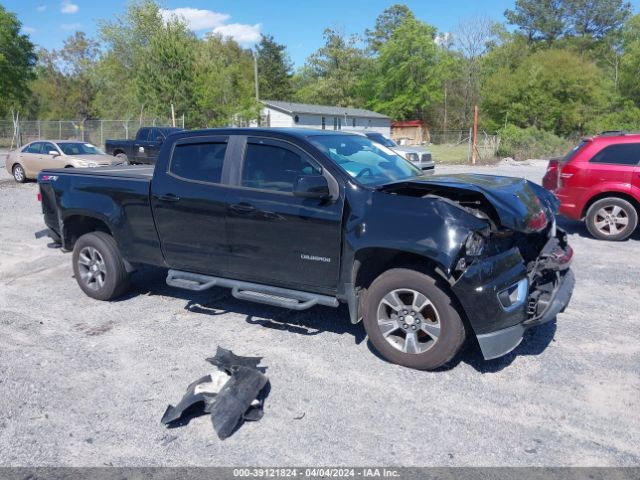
599	182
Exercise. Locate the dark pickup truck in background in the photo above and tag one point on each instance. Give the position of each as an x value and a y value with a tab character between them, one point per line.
144	149
297	218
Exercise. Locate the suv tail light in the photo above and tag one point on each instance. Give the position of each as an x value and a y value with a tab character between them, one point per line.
550	180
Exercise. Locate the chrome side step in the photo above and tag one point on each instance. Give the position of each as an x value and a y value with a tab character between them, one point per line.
253	292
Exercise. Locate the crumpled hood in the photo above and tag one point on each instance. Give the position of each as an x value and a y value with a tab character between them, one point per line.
520	204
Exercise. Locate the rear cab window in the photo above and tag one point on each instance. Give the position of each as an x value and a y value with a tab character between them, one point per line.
199	161
143	134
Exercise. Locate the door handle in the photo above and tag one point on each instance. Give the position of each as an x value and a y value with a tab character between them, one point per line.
169	197
242	208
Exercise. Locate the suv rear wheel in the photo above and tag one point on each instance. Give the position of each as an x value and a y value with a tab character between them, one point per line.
411	321
611	218
98	266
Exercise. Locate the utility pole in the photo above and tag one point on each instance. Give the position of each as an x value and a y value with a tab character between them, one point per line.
474	151
255	75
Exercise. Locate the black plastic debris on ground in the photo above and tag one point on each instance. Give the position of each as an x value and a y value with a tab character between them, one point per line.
232	394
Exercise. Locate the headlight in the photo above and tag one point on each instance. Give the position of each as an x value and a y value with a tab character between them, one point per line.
412	157
474	246
84	163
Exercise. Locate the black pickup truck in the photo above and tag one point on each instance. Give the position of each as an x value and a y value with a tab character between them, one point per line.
297	218
144	149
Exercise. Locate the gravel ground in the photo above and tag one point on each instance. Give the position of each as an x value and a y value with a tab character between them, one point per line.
85	383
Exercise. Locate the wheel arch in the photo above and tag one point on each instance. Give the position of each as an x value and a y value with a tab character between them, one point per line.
76	225
371	262
614	193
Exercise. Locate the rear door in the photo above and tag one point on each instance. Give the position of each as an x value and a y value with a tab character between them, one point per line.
189	205
611	168
156	138
274	237
30	157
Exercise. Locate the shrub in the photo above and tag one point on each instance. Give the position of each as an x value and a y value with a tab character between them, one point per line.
525	143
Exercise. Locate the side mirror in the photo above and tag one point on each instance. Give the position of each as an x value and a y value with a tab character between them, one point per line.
311	186
159	139
54	153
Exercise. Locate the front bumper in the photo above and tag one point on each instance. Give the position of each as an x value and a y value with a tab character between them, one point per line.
550	285
501	342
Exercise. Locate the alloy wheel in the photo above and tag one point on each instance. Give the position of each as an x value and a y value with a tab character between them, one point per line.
92	268
408	321
611	220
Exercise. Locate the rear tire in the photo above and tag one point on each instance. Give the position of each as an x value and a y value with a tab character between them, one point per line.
19	174
611	218
124	158
98	266
411	321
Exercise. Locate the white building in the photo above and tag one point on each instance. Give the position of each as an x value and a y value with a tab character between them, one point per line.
322	117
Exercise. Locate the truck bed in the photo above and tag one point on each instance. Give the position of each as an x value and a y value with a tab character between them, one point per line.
116	196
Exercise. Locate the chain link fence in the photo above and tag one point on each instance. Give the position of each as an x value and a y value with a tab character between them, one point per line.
455	146
92	131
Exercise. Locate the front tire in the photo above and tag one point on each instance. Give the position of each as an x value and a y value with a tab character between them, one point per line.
611	218
98	267
19	174
123	157
411	321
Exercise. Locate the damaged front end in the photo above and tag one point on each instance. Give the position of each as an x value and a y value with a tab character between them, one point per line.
515	272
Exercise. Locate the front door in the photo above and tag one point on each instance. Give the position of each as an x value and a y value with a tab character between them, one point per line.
189	206
274	237
49	160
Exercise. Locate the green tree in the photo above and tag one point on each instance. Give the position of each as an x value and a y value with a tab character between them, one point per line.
630	60
553	90
78	57
539	19
165	76
407	79
596	18
332	74
274	69
126	39
223	89
17	62
386	23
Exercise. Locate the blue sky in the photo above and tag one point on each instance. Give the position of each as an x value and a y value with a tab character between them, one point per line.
296	23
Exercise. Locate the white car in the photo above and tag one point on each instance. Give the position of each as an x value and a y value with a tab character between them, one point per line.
420	157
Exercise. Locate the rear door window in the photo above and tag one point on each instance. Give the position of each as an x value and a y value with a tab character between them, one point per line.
33	148
201	162
621	154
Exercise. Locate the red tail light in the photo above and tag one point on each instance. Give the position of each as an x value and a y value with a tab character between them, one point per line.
538	221
39	197
550	179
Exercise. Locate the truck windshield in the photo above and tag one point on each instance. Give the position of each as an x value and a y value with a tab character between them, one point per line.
368	162
79	148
